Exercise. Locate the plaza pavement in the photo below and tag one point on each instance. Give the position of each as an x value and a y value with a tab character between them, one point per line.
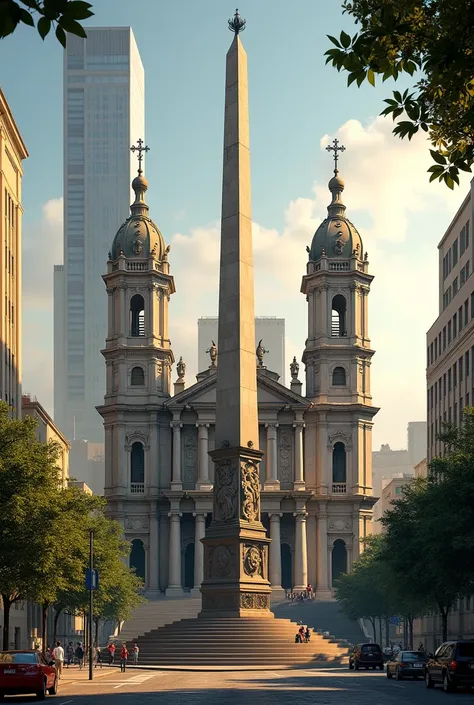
322	686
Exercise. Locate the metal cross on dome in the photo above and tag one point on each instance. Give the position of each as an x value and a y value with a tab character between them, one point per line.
335	147
140	149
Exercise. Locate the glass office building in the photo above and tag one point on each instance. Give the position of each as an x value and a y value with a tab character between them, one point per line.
104	113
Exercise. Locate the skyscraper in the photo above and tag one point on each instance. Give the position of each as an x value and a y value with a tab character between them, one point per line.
104	113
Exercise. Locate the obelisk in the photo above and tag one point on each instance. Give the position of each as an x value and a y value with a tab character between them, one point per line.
235	546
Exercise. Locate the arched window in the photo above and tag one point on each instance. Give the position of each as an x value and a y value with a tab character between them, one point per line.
137	465
339	377
137	316
137	378
137	558
338	317
339	559
339	463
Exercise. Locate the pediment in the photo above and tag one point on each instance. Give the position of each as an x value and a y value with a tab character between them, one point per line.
269	393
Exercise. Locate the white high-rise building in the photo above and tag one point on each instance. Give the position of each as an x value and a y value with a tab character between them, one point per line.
270	330
104	113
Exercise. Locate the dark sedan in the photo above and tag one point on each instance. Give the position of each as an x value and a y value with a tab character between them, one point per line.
407	663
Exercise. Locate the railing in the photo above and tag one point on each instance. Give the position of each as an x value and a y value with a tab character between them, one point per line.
336	331
339	266
137	266
339	488
137	488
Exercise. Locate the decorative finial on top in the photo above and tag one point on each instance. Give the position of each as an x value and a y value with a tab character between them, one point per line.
140	149
237	23
335	147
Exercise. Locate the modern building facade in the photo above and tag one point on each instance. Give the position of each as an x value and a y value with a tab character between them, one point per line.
12	154
450	340
270	330
104	112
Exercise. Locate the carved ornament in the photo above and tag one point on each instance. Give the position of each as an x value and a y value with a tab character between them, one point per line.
250	484
225	495
253	560
254	601
137	524
339	524
221	561
339	435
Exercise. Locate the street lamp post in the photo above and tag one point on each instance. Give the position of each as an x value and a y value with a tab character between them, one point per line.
91	602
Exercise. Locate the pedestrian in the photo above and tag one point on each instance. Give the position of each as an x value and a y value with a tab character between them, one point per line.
135	652
98	657
421	647
123	658
58	655
79	654
111	654
307	636
69	654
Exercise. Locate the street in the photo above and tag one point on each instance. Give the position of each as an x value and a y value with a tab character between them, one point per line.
331	686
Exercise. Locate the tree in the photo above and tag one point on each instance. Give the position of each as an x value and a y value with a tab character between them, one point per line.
432	40
61	15
28	486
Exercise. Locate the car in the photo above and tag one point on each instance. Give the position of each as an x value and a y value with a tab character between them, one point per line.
25	672
407	663
366	655
451	666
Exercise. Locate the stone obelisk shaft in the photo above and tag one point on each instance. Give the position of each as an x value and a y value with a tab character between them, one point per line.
237	417
235	546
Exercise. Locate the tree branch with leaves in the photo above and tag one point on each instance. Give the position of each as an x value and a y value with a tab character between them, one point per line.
64	16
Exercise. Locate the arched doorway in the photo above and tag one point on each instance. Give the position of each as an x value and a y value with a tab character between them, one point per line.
137	558
339	559
286	567
189	566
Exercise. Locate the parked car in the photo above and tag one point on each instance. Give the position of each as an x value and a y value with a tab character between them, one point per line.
452	666
407	663
366	655
24	672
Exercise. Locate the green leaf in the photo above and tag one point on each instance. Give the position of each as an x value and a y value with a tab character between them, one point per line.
345	40
397	112
448	181
72	26
26	18
79	10
398	96
334	41
351	78
61	35
371	77
44	26
437	157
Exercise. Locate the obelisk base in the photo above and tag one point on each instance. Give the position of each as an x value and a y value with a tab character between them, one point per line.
236	546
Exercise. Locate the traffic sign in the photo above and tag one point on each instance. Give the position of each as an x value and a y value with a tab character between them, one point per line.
395	620
92	579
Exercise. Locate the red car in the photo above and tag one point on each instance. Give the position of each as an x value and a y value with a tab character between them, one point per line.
24	672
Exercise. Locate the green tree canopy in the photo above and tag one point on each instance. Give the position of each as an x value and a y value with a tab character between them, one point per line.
433	42
64	16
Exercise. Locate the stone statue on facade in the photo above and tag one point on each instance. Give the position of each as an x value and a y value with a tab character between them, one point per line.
181	368
294	369
260	352
213	354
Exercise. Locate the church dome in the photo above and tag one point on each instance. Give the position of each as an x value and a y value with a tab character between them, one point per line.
138	236
336	236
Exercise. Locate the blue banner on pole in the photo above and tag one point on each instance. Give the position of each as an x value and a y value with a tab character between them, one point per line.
92	579
395	620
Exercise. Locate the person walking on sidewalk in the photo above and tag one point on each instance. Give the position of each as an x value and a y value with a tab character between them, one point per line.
69	654
58	655
123	658
111	654
135	652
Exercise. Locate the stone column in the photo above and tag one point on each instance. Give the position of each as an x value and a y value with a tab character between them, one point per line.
199	533
299	483
311	535
275	555
322	590
152	591
355	533
301	551
124	323
175	587
272	482
203	482
176	483
330	568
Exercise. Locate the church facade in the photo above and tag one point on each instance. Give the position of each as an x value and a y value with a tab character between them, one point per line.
316	475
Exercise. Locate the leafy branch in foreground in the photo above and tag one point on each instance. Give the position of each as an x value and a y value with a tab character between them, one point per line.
64	16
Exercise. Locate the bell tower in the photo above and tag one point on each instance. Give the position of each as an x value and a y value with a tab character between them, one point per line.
138	355
338	352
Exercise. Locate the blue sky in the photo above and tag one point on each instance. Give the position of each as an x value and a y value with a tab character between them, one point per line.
296	103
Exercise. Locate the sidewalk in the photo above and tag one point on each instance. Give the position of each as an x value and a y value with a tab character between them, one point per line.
74	673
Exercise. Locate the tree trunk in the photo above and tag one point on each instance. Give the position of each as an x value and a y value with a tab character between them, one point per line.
405	633
44	634
7	603
444	611
387	632
55	624
410	631
374	627
96	633
380	630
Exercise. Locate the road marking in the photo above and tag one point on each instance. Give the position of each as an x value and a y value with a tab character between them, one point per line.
136	680
273	673
398	686
66	702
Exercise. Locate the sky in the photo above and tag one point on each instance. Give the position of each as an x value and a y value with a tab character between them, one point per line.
297	106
